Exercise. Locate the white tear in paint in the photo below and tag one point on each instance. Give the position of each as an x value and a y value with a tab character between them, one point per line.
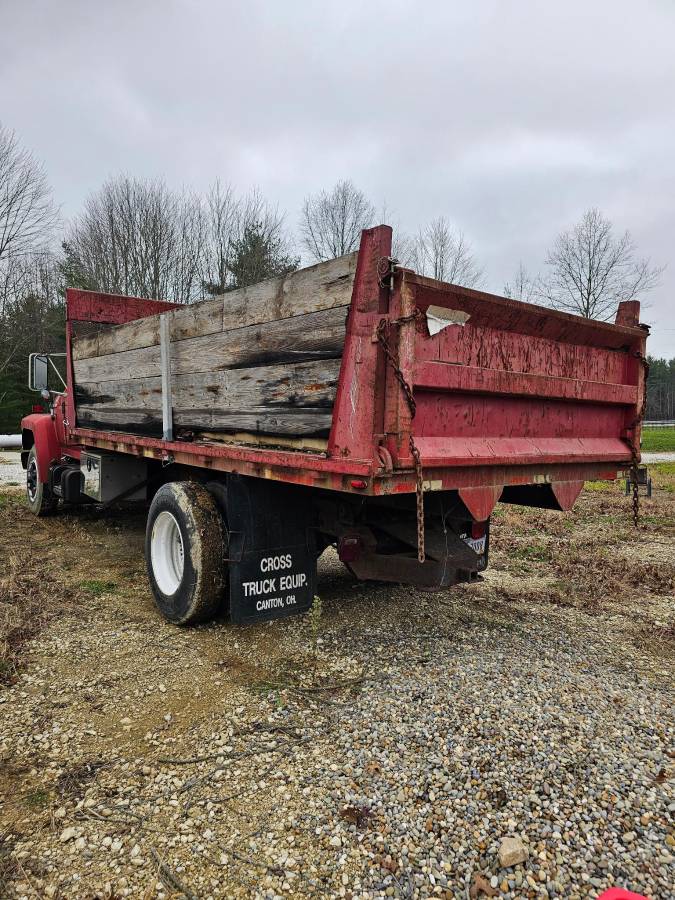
439	318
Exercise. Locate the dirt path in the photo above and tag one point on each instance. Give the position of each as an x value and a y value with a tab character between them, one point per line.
650	458
383	750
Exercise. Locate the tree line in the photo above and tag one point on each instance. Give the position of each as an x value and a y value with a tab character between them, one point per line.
139	237
661	390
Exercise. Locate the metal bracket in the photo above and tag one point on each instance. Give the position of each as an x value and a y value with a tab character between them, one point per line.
386	266
165	351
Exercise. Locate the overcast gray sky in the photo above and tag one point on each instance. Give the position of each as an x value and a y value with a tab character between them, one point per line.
509	118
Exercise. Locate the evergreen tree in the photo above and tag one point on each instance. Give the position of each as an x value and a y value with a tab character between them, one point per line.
259	254
72	270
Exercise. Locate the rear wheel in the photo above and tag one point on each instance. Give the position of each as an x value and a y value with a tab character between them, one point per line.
41	501
185	550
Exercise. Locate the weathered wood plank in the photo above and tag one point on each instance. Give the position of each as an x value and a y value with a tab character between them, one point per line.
318	335
306	444
301	385
323	286
295	422
262	399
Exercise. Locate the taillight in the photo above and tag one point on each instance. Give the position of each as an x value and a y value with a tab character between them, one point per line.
36	408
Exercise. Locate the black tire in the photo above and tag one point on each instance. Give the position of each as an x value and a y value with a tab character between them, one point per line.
185	552
41	501
218	490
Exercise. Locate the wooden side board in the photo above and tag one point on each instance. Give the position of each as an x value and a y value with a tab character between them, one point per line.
290	400
320	287
282	399
294	423
318	335
264	360
309	385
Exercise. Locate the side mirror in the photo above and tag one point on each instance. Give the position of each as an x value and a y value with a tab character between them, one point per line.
38	371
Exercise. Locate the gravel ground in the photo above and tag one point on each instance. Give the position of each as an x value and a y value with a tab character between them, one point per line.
385	748
11	471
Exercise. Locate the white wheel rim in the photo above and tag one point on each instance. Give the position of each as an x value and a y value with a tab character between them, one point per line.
32	479
167	554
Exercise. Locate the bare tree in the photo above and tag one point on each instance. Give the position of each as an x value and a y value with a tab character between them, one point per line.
591	270
245	241
402	244
441	252
331	222
523	286
138	237
222	214
27	212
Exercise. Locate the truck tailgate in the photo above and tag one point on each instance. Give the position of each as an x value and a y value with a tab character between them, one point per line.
505	382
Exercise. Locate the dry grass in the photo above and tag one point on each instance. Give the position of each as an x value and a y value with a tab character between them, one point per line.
23	612
8	863
27	595
592	559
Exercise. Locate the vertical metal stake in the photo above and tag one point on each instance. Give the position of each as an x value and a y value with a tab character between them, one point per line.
165	350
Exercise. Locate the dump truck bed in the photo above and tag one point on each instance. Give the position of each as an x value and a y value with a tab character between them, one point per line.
338	375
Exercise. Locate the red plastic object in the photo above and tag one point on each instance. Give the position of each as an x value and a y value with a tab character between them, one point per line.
620	894
478	529
350	548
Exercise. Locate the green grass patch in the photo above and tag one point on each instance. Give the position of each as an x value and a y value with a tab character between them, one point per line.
663	476
98	587
666	469
37	800
533	551
658	440
10	498
602	486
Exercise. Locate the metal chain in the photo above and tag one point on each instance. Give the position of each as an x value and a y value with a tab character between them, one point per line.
419	493
383	326
382	329
634	449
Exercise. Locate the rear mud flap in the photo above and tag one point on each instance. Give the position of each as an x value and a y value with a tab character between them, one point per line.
272	550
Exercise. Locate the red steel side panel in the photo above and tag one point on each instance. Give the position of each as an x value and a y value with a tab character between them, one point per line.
359	402
96	307
114	309
517	385
506	315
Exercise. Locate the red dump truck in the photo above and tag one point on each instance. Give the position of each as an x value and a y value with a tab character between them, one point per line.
353	403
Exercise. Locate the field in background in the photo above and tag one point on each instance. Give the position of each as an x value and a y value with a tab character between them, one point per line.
658	440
